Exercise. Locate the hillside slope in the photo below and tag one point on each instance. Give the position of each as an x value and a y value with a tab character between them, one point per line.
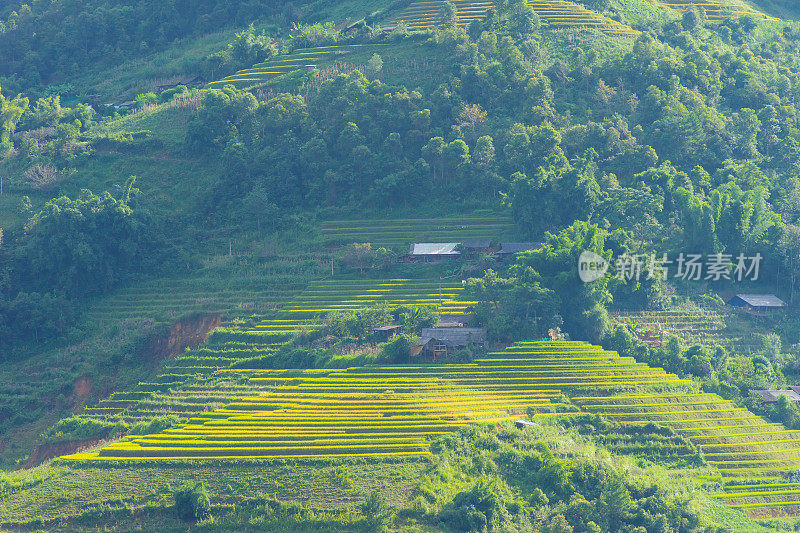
211	280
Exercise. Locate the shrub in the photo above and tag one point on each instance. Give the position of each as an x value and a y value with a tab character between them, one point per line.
374	510
78	428
192	501
398	349
144	100
169	94
156	425
475	509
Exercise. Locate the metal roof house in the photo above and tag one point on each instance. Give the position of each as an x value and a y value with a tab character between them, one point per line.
771	396
434	251
443	342
508	249
757	303
476	248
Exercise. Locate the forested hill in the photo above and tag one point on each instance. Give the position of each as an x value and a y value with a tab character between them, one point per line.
205	217
45	42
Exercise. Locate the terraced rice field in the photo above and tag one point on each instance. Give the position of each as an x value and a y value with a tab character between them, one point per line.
394	410
334	295
714	10
399	233
765	499
694	325
300	59
737	442
237	291
190	383
426	14
752	454
388	410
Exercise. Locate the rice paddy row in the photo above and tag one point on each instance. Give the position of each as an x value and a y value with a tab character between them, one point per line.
300	59
694	325
189	384
732	439
399	233
425	15
236	292
763	499
714	10
388	410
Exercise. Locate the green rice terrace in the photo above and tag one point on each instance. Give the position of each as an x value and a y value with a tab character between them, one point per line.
395	233
426	14
302	59
714	10
693	324
386	410
191	382
393	410
230	411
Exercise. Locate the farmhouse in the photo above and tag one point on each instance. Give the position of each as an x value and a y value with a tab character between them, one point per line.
771	396
475	249
443	342
434	251
508	249
757	304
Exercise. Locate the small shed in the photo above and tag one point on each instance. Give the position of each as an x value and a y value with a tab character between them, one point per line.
434	251
771	396
522	424
387	332
758	304
443	342
508	249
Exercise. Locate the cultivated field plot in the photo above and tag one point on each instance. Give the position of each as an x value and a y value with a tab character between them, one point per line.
300	59
427	14
763	499
230	293
385	411
189	384
322	297
399	233
694	325
394	410
714	10
738	443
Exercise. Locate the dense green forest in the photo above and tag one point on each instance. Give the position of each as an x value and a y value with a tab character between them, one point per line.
43	43
678	144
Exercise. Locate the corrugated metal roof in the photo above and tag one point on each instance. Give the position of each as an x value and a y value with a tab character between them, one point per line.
513	247
388	328
477	244
434	248
761	300
773	395
455	336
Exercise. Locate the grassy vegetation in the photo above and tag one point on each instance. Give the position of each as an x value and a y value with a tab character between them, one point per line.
222	414
41	495
399	233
